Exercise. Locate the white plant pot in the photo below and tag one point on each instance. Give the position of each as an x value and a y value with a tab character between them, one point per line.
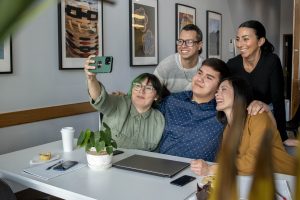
98	161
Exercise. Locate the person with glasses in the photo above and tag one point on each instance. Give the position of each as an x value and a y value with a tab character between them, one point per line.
192	129
134	120
177	70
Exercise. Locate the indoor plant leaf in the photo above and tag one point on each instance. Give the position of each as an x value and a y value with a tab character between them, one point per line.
100	146
109	150
81	138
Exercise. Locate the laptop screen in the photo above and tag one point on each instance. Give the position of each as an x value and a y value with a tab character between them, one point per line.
151	165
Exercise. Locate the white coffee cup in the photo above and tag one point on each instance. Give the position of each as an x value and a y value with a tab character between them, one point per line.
67	134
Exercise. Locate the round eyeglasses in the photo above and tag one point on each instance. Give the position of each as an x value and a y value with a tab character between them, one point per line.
147	88
188	43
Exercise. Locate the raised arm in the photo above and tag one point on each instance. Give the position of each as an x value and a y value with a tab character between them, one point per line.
94	87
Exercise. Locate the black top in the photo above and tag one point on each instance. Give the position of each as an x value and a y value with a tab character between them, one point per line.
267	83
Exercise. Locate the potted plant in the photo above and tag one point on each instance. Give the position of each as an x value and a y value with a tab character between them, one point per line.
99	146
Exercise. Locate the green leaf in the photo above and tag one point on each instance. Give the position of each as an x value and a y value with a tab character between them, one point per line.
114	144
100	146
109	150
97	137
14	13
81	138
92	139
87	137
88	146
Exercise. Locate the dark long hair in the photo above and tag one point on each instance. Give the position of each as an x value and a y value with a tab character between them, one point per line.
260	32
242	98
153	80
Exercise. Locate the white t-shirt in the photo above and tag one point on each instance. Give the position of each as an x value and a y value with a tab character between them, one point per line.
172	75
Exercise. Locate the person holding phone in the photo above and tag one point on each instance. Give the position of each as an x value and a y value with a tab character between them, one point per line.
232	97
133	118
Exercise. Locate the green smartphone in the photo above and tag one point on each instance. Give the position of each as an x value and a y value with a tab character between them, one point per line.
103	64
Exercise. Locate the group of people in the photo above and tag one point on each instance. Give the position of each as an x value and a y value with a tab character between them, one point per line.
205	95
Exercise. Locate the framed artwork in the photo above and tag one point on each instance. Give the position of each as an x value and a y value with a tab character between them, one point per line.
213	34
143	28
80	32
184	15
6	57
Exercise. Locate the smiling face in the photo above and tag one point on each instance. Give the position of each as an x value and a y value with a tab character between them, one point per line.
225	97
142	95
185	51
205	84
247	43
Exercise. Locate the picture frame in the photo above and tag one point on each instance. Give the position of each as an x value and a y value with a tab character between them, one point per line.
80	32
143	32
184	15
6	66
213	34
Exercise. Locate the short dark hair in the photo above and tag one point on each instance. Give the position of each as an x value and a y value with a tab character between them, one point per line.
153	80
193	27
260	32
217	65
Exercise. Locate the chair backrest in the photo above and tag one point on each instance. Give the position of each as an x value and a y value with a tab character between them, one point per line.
6	192
100	120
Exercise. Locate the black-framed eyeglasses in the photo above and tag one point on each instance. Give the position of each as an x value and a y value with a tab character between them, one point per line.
147	88
188	43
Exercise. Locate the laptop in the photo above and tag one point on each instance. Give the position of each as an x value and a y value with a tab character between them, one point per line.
151	165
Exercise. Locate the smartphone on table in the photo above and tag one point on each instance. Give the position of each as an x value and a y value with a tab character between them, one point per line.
65	165
117	152
103	64
183	180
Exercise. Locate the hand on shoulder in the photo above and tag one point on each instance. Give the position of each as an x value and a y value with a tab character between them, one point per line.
256	107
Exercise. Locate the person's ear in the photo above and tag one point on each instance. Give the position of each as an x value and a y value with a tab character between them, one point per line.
261	41
200	45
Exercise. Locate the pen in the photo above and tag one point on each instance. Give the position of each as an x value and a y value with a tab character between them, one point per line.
280	195
54	164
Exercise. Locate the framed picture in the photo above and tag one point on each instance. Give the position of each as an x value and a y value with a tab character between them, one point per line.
184	15
213	34
6	57
143	28
80	32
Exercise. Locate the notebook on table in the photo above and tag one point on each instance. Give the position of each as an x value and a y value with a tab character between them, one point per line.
151	165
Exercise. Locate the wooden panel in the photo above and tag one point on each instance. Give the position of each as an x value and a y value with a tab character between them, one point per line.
39	114
296	42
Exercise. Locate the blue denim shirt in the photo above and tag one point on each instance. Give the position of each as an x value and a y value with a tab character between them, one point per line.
191	130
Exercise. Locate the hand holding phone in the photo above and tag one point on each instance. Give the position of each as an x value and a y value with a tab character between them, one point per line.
65	165
183	180
103	64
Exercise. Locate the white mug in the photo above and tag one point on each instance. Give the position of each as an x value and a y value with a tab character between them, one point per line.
67	134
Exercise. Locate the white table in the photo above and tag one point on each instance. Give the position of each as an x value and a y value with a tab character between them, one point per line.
111	184
85	183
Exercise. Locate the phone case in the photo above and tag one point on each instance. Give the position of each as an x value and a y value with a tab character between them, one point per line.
65	165
183	180
103	64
